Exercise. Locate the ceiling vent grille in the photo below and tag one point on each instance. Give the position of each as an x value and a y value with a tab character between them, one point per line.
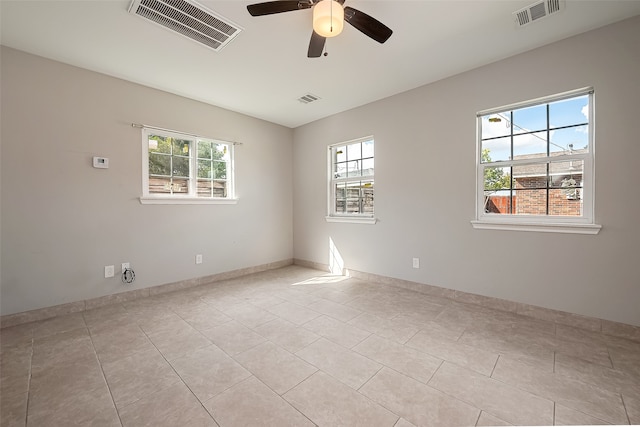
188	19
308	98
537	11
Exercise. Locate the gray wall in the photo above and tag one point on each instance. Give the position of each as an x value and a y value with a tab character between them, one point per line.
63	220
425	184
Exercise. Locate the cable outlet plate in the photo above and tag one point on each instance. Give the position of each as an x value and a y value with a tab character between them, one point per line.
125	265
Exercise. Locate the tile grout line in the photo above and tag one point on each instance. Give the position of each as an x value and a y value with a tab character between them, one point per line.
478	419
179	376
626	411
104	377
26	412
494	366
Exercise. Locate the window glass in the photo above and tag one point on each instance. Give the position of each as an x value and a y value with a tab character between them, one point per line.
352	184
186	166
537	165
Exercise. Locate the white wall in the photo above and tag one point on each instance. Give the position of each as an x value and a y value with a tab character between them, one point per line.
425	184
63	220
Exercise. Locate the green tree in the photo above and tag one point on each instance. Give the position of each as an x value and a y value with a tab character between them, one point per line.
495	179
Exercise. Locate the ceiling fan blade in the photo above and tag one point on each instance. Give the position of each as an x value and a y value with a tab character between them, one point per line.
367	25
271	7
316	45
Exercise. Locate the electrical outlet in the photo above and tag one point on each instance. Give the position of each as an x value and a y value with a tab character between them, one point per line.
109	271
199	259
125	265
416	263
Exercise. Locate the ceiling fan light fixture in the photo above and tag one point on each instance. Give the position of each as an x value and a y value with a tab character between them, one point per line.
328	18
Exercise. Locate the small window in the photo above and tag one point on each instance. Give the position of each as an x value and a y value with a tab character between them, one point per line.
351	183
535	162
181	167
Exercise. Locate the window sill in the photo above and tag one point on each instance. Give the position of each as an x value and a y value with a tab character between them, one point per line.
538	227
352	219
185	201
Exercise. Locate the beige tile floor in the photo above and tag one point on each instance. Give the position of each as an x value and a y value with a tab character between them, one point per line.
293	347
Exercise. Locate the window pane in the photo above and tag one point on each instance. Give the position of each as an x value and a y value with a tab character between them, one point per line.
159	185
566	174
367	197
340	170
570	140
499	202
531	202
159	144
367	149
353	168
354	151
530	176
569	111
180	185
181	166
219	188
222	152
159	164
496	178
530	145
353	191
530	119
340	191
181	147
495	125
495	150
565	202
220	170
204	168
204	188
204	149
367	167
341	154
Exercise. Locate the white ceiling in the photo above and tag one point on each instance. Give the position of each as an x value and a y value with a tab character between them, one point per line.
265	69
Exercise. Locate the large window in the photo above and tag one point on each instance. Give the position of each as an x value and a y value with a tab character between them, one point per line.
185	168
351	184
535	162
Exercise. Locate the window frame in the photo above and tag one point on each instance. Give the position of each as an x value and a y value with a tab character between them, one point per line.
583	224
191	197
332	214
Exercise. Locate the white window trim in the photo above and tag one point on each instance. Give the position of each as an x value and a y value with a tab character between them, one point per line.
345	218
584	224
352	219
154	199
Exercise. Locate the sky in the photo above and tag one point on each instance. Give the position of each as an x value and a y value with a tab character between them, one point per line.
561	113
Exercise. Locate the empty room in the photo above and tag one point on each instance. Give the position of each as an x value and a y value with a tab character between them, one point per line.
319	213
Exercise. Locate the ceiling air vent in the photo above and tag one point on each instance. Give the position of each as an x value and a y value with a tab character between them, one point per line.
537	11
308	98
189	19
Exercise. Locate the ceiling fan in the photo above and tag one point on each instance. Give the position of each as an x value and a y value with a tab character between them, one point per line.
328	20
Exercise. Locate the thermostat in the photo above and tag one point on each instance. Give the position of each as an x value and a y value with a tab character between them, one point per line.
101	162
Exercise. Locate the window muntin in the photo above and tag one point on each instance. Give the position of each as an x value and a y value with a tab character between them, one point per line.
180	166
536	161
351	189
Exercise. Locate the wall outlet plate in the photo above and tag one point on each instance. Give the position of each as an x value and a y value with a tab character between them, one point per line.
199	259
109	271
416	263
125	265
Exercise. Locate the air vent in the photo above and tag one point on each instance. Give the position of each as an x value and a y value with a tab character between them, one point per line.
308	98
537	11
188	19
